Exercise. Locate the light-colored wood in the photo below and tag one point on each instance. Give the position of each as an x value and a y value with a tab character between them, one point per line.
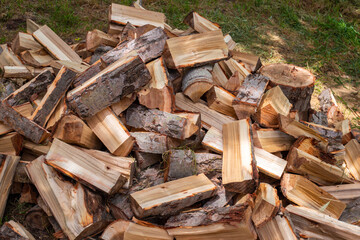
76	221
121	14
219	77
199	23
55	45
7	170
352	158
36	149
24	41
169	198
269	164
221	101
96	38
236	72
329	107
4	128
239	173
25	109
37	58
71	129
11	144
74	66
278	228
15	230
8	58
304	193
112	132
272	140
209	117
229	42
345	128
252	62
273	103
213	140
17	72
123	104
316	225
344	192
60	111
31	26
83	167
189	51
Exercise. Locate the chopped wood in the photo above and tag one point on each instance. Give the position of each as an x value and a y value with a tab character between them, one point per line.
24	41
36	218
111	132
28	194
4	129
8	58
344	192
199	23
352	158
60	111
37	58
269	164
121	14
251	61
15	230
150	142
179	164
83	167
96	38
213	140
17	72
239	173
331	134
278	228
169	198
314	224
59	195
236	72
55	92
180	51
120	79
7	170
345	128
304	193
20	175
208	163
31	26
221	101
11	144
144	160
272	140
114	29
219	76
123	104
229	42
55	45
318	118
351	213
74	66
329	106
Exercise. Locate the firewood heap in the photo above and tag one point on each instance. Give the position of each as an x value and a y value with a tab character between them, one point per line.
150	132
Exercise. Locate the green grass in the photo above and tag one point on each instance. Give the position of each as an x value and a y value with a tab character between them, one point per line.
322	36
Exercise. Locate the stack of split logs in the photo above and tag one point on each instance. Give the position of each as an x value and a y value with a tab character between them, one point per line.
150	132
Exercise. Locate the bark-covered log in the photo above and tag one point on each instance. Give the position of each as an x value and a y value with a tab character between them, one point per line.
144	159
179	164
150	142
329	107
15	231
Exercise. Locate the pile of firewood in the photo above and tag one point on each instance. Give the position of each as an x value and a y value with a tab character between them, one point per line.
149	132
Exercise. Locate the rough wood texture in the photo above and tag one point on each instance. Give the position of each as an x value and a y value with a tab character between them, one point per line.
144	160
158	121
96	38
150	142
60	111
24	41
169	198
179	164
252	62
190	51
120	79
279	228
7	57
55	45
15	231
221	101
344	192
352	213
239	173
87	217
83	167
332	134
121	14
36	149
71	129
37	58
345	128
236	74
329	106
90	72
352	158
199	23
54	93
213	140
314	224
11	144
269	164
250	94
20	175
31	26
123	104
296	83
229	42
112	132
7	170
17	72
306	194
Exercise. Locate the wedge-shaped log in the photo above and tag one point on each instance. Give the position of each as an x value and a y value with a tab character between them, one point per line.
37	58
239	173
331	134
31	26
11	144
190	51
250	95
60	111
213	140
352	158
269	164
329	107
273	103
120	79
345	128
17	72
169	198
314	168
121	14
24	41
71	129
54	93
318	225
55	45
221	101
8	58
272	140
236	74
122	229
15	230
78	221
162	122
344	192
83	167
96	38
229	41
252	62
157	93
7	170
179	164
199	23
267	204
304	193
36	149
278	228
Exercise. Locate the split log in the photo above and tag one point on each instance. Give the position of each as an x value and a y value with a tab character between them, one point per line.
267	204
59	195
236	74
123	104
31	26
197	81
239	173
128	32
329	106
11	144
114	29
213	140
158	92
92	71
56	65
314	224
251	61
121	14
169	198
17	72
120	207
16	231
7	170
278	228
55	45
221	101
209	117
219	76
229	42
8	58
344	192
199	23
352	158
190	51
152	176
345	128
250	94
269	164
352	213
73	130
36	149
121	229
179	164
273	103
24	41
54	93
96	38
318	118
332	134
158	121
60	111
24	109
150	142
221	199
112	132
208	164
121	78
81	166
20	175
99	51
4	129
306	194
296	83
272	140
37	58
144	160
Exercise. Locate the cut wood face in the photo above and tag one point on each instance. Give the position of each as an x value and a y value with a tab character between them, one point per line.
352	158
199	23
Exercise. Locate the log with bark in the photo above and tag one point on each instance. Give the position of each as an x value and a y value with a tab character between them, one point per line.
17	72
179	164
150	142
14	230
199	23
8	58
329	107
344	192
352	158
37	58
123	104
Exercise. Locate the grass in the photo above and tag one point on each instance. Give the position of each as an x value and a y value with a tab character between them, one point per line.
322	36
